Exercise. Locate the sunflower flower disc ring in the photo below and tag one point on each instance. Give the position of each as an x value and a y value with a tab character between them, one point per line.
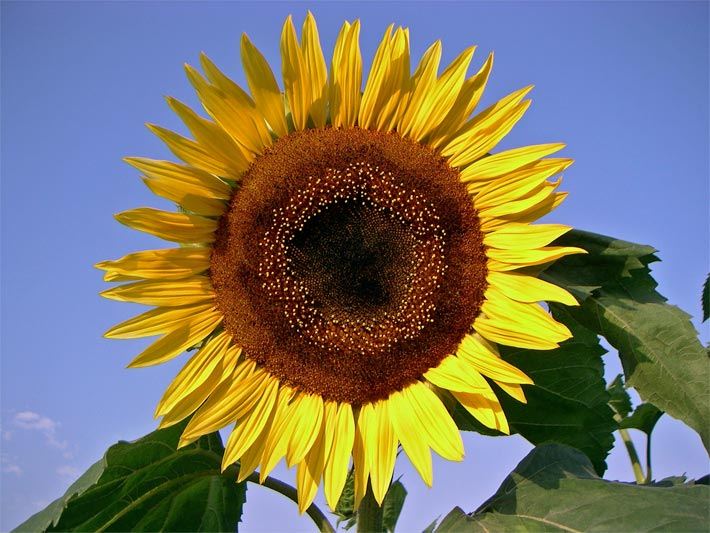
348	260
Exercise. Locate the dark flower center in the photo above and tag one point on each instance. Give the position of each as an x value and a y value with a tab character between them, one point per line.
349	263
350	259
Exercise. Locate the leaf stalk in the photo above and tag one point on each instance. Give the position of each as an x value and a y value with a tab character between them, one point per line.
631	450
318	517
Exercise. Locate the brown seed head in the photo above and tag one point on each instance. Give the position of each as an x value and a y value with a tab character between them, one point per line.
349	262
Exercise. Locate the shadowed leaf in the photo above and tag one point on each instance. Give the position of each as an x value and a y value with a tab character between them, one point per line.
392	505
619	399
555	489
643	418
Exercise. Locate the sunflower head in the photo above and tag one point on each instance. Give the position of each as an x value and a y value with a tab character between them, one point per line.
348	259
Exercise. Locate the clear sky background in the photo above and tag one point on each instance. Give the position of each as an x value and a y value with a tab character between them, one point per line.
624	84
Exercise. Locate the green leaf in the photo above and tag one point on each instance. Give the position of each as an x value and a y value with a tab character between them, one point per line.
569	401
149	485
432	526
644	418
658	346
555	489
607	259
706	299
392	505
619	399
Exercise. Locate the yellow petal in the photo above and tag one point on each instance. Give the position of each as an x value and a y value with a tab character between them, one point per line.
375	81
231	400
516	236
263	87
514	210
156	321
485	408
497	306
115	276
169	172
512	259
440	98
310	470
454	375
380	446
230	360
514	390
188	403
176	227
306	484
501	163
250	427
408	428
293	68
361	454
235	115
394	97
201	366
277	441
173	263
207	133
475	138
519	183
423	86
346	77
435	423
382	443
237	97
387	82
224	83
203	158
534	212
213	139
250	460
177	341
466	102
478	353
484	140
518	324
479	399
306	417
316	71
186	198
529	289
197	289
256	453
342	427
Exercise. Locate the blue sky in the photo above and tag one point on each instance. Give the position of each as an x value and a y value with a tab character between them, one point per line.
625	85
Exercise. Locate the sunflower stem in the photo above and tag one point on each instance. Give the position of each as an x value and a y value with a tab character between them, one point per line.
648	458
633	456
287	490
369	514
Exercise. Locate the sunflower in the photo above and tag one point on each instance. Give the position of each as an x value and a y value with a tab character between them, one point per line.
349	259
